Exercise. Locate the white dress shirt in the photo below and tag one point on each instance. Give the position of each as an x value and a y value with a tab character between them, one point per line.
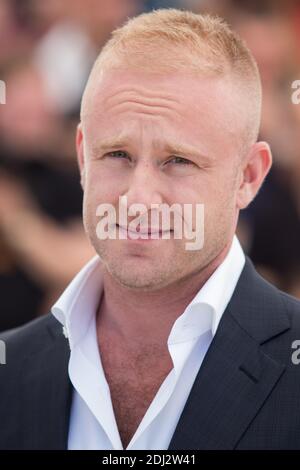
92	421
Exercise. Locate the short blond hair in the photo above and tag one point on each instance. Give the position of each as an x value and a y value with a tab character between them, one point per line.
168	40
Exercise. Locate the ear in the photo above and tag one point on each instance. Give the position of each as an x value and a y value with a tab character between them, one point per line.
80	154
255	168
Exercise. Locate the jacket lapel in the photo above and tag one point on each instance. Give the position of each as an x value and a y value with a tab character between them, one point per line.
46	395
236	376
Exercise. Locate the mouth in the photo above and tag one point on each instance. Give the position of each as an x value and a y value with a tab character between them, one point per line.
145	233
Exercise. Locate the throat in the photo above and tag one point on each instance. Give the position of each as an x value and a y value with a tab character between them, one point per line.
134	375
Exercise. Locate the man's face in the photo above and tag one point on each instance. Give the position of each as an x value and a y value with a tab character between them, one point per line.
128	146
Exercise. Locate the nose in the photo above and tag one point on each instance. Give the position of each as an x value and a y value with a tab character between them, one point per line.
144	187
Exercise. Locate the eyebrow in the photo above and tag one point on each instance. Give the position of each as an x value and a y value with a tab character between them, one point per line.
184	149
170	147
111	143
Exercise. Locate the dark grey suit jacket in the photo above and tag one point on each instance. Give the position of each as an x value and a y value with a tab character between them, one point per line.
245	396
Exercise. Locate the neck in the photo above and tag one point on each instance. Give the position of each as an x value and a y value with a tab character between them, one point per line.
133	314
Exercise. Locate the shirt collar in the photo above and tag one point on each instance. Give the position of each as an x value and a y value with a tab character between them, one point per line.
205	310
76	307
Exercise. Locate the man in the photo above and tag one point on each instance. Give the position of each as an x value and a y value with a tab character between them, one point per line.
162	347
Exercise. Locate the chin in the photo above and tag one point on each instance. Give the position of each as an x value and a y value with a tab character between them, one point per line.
138	279
141	286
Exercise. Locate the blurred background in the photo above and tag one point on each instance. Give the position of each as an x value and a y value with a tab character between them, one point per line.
46	51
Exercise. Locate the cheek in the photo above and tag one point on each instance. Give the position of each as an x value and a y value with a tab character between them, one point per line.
217	195
200	190
100	187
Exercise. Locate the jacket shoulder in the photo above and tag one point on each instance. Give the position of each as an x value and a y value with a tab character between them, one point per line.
292	306
32	336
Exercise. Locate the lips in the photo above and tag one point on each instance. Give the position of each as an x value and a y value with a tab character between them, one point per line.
148	231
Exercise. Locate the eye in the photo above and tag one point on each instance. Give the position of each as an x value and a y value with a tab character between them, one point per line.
118	154
180	161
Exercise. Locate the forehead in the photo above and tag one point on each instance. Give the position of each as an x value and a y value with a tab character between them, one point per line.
198	107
